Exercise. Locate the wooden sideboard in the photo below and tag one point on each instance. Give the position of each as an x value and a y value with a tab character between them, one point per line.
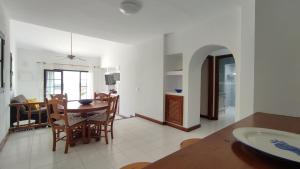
174	109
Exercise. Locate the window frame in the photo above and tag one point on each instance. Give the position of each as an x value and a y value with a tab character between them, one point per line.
46	78
62	80
80	84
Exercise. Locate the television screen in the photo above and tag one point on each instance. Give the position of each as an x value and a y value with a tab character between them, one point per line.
116	76
110	80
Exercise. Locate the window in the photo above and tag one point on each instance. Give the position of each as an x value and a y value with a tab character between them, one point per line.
53	83
83	85
2	42
74	83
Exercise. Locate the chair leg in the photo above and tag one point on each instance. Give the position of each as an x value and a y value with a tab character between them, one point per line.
67	141
89	132
99	130
112	130
105	131
86	139
54	140
71	140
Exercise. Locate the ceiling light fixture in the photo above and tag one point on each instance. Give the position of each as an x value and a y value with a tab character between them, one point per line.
128	7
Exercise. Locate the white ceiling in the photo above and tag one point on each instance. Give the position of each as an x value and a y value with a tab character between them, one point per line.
102	19
34	37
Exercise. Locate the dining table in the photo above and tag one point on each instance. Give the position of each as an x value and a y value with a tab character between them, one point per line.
75	107
222	151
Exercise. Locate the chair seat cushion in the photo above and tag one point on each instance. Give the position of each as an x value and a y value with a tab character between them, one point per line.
72	121
74	114
91	114
96	112
99	117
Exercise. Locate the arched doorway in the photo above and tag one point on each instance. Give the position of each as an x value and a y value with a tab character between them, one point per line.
211	87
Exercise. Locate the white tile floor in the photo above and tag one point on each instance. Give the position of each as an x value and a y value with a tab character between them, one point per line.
135	140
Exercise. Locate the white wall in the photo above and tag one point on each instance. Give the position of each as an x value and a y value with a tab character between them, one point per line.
221	52
224	31
246	63
30	74
125	57
277	61
5	92
141	84
227	31
151	78
142	69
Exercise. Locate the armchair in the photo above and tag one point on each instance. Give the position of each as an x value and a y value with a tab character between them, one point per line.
24	115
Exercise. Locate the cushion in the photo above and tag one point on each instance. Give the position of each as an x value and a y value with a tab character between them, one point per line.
20	99
96	112
98	117
72	121
34	100
74	114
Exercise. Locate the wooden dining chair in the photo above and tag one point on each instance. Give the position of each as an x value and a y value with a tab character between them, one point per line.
104	121
59	96
61	122
101	96
64	97
114	108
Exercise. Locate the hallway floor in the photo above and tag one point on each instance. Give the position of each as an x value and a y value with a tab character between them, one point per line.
135	140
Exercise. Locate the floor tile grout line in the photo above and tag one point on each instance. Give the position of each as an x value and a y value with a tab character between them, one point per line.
123	139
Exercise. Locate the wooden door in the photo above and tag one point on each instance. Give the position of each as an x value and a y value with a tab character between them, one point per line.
174	109
210	84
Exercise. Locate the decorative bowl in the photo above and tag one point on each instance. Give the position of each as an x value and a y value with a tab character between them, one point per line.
178	90
85	101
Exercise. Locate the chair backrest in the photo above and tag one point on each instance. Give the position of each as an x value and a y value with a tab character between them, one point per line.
54	114
113	107
101	96
59	96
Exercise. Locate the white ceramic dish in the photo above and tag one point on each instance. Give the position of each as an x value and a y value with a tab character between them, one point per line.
274	142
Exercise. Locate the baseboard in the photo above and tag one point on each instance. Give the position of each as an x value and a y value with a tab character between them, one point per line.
150	119
3	141
193	127
204	116
176	126
183	128
168	123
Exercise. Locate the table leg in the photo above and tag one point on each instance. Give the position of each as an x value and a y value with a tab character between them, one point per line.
85	135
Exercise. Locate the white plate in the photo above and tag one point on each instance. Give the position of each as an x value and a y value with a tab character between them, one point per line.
277	143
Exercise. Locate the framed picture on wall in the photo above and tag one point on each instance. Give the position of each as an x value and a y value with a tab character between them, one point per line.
2	43
11	72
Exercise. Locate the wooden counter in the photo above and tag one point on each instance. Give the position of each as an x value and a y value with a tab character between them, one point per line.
221	151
